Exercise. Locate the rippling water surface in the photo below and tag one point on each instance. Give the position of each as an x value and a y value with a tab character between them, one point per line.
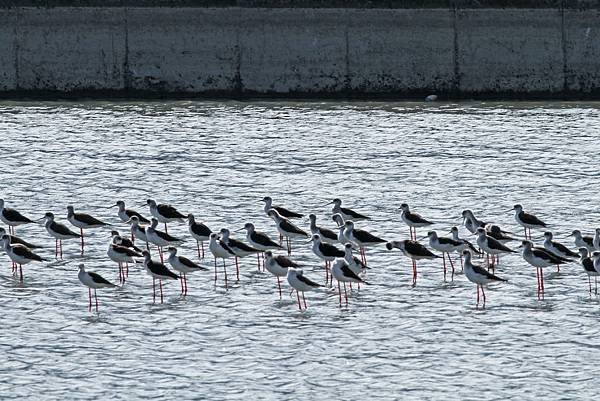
217	160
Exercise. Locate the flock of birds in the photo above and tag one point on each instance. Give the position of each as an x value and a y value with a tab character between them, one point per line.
334	247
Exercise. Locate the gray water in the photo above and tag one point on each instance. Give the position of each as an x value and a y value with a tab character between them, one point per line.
217	160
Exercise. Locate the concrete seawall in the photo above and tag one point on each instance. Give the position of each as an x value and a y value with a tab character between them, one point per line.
453	49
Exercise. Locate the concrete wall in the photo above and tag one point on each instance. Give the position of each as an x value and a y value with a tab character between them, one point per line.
548	52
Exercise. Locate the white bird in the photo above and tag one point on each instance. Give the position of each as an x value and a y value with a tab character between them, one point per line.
361	238
183	265
325	233
93	281
200	232
165	213
471	222
19	254
278	266
59	232
344	274
527	220
491	246
345	213
159	238
121	254
589	266
159	272
286	228
583	241
339	220
413	220
301	284
539	258
240	249
414	250
219	249
478	275
445	246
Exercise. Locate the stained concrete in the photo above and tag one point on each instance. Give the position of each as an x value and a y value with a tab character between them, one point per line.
457	51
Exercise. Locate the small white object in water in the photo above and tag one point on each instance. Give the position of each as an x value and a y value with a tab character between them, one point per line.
431	98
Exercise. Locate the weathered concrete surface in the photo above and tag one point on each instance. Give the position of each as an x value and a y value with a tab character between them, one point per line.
310	57
70	49
457	52
409	51
510	51
8	67
182	50
582	50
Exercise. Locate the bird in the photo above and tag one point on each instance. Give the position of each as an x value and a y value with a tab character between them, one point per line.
219	249
445	246
240	249
413	220
498	234
12	217
19	254
361	238
137	230
326	252
287	229
527	220
283	212
126	214
159	272
589	266
126	242
344	274
18	240
82	220
539	258
557	248
491	246
478	275
325	233
466	244
471	222
93	281
583	241
347	214
59	232
278	266
353	262
184	266
119	253
159	238
339	221
165	213
301	284
200	232
259	240
413	250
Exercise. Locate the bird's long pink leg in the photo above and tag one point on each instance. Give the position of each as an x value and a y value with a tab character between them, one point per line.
185	281
166	231
132	238
451	265
525	228
81	232
161	294
61	251
198	246
298	295
326	274
483	293
444	259
340	292
215	269
153	290
96	298
126	275
542	279
225	270
346	294
237	269
304	299
258	261
120	272
558	268
462	267
596	285
181	282
414	263
202	244
477	294
160	253
90	298
56	248
590	283
279	287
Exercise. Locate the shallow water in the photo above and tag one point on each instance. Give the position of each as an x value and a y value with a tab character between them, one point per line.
217	160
